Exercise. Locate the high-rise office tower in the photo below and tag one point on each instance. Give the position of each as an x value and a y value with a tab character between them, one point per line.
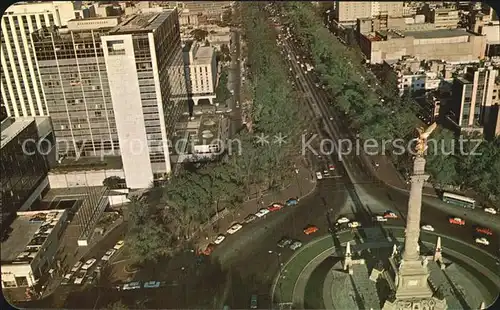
21	87
73	72
145	70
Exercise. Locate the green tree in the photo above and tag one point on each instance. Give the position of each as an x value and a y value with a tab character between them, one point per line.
117	305
199	34
441	161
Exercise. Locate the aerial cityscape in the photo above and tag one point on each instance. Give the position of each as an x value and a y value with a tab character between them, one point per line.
250	155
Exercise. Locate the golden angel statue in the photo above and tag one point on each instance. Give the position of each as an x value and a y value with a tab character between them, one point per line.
423	135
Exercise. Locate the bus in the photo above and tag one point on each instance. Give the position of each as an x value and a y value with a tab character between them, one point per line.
459	200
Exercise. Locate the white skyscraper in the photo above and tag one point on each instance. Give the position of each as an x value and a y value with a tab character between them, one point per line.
21	87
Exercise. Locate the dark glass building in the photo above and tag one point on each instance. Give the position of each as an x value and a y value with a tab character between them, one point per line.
23	169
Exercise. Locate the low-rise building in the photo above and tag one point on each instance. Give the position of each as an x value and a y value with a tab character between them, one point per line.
451	45
28	251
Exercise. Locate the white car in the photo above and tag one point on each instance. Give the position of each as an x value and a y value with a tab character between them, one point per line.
294	246
131	286
108	254
79	278
427	227
68	276
262	212
234	228
119	245
89	263
343	220
380	218
490	210
354	224
483	241
76	266
219	239
318	175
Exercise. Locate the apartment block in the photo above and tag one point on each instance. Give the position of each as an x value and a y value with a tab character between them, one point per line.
441	17
347	12
473	96
75	83
143	57
21	85
200	70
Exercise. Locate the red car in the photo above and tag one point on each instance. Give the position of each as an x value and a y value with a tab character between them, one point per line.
390	215
457	221
484	230
208	250
331	167
275	207
310	229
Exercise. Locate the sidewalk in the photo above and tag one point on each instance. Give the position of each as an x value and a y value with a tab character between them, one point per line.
301	186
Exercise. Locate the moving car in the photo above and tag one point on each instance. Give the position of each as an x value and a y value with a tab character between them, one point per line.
490	210
318	175
119	245
326	173
76	266
390	215
131	286
294	246
284	242
208	249
331	167
90	279
262	212
427	227
311	229
457	221
343	220
275	207
380	218
108	254
292	202
482	241
484	230
89	263
233	229
250	218
354	224
219	239
152	284
80	276
253	302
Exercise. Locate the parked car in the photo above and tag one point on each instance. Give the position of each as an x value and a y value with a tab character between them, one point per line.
207	250
292	202
311	229
484	230
319	176
89	263
490	210
233	229
68	276
119	245
354	224
482	241
90	279
250	218
427	227
108	254
253	302
331	167
379	218
284	242
343	220
65	281
262	212
80	276
131	286
275	207
390	215
76	266
219	239
152	284
457	221
294	246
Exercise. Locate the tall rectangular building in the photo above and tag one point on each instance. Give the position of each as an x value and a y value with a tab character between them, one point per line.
74	79
201	71
21	86
473	96
145	70
347	12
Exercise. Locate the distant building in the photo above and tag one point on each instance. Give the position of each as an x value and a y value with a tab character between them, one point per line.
143	57
73	71
201	71
21	86
347	12
28	252
23	164
441	17
473	96
451	45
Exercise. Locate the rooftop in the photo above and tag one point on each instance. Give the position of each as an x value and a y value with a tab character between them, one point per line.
147	22
89	163
11	127
29	232
204	55
439	33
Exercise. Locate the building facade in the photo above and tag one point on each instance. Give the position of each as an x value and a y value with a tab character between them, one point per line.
200	70
73	72
21	85
143	57
347	12
473	97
